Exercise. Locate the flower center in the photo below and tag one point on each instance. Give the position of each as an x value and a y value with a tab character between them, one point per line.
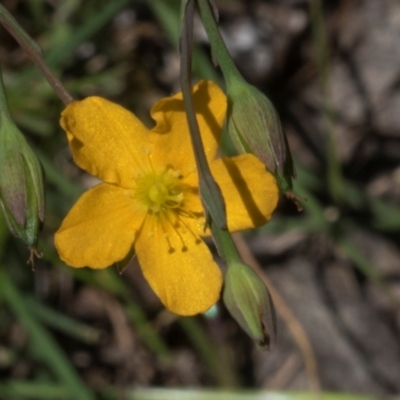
160	192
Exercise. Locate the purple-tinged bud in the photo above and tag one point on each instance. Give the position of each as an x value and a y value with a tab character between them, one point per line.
21	182
254	127
250	304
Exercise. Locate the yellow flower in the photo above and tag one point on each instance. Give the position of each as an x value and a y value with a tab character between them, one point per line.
149	197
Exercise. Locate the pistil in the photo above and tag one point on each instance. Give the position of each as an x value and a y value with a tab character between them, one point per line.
160	192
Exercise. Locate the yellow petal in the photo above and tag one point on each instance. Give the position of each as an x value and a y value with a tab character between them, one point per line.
172	142
192	204
100	229
250	192
179	267
106	140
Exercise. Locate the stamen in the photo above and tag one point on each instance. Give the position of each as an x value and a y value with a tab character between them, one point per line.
176	173
166	235
197	240
175	228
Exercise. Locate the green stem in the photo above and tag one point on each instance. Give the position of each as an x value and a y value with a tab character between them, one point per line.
34	52
219	50
209	190
225	245
215	203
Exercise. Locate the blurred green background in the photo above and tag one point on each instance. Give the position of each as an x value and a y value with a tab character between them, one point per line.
332	69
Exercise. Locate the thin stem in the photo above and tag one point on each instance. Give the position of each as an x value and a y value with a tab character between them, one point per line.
35	53
209	190
225	245
218	46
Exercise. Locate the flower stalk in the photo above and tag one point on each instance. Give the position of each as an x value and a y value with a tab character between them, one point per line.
253	123
35	54
220	53
245	295
209	190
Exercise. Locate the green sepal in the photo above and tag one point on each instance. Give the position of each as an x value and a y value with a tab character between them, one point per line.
250	304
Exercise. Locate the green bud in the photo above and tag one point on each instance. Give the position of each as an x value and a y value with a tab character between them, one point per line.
250	304
254	127
21	180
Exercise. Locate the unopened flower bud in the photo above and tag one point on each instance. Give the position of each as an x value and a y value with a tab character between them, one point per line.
21	182
254	127
250	304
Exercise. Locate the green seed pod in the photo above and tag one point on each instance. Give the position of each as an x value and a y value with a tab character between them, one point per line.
250	304
254	127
